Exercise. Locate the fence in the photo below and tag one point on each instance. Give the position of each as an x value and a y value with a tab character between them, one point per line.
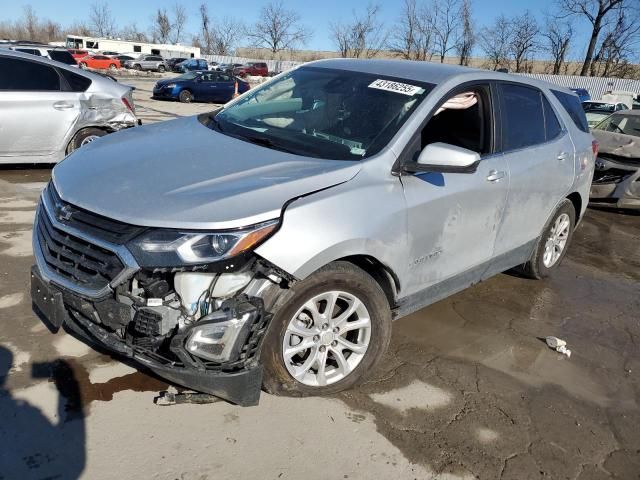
597	86
276	66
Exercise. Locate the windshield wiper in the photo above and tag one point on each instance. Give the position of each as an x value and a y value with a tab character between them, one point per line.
267	142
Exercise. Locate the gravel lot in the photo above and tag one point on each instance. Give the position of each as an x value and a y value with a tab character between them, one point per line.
467	390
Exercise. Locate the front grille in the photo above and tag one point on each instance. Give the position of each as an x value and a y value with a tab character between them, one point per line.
103	228
83	263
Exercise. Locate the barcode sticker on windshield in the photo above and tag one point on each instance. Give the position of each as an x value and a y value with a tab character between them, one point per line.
389	86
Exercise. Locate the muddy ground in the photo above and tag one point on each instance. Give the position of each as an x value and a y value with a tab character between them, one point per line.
467	390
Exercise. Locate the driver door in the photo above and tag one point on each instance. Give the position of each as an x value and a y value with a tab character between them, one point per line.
453	218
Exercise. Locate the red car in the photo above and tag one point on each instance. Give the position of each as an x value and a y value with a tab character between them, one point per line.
256	69
99	61
78	54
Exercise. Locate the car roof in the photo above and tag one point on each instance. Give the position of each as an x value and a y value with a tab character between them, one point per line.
430	72
104	83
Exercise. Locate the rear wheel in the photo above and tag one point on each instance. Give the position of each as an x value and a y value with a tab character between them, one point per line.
137	67
327	333
553	243
85	137
112	66
185	96
82	65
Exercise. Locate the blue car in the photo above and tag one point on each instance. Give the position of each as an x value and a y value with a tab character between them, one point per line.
191	64
583	94
216	87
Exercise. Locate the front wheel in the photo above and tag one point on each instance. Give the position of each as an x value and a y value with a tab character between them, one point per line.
112	67
161	69
185	96
83	65
552	244
327	333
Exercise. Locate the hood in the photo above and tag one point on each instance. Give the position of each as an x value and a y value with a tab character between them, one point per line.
181	174
617	144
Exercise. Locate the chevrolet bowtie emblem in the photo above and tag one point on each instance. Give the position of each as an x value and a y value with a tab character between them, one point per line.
64	214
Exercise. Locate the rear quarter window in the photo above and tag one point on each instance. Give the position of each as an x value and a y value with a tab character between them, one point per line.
77	83
572	105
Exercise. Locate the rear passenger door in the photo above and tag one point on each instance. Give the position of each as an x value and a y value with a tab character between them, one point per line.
36	115
540	157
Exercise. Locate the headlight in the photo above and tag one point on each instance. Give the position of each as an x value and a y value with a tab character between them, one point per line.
171	85
173	248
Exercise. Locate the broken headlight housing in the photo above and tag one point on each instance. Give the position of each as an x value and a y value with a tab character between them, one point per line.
172	248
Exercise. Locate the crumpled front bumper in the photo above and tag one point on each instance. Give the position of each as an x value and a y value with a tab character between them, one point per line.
60	307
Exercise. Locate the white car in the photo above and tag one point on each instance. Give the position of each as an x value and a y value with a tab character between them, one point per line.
58	54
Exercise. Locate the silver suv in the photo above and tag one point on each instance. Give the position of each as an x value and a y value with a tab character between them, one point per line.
147	62
270	243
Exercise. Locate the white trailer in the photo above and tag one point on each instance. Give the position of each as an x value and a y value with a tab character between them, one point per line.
98	44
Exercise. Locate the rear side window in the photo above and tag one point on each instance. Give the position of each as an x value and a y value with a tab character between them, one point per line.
62	56
522	117
22	75
551	123
30	51
78	83
571	104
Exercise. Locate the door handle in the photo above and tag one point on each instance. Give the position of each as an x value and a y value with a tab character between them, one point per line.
62	105
495	176
562	156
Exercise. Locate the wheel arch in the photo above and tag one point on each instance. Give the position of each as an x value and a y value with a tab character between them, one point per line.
576	200
81	130
382	274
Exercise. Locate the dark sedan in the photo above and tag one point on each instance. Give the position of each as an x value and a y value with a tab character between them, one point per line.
217	87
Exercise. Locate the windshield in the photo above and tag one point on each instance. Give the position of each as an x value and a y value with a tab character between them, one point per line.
323	113
186	76
619	123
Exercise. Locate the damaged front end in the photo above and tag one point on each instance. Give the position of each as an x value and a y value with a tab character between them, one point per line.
187	305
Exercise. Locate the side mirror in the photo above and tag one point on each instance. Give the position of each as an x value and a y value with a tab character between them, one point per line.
444	158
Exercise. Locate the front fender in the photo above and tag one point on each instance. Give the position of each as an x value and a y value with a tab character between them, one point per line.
364	216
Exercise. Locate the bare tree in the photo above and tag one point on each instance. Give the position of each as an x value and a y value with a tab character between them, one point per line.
446	26
467	38
598	13
278	29
524	39
612	58
161	27
412	36
179	22
557	38
364	37
495	42
218	38
101	19
133	33
31	22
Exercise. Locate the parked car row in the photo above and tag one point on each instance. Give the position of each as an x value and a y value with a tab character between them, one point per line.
200	86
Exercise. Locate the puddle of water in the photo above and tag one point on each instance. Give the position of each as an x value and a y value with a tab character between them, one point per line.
11	300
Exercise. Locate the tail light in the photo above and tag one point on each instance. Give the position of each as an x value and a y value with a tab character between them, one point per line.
594	148
128	104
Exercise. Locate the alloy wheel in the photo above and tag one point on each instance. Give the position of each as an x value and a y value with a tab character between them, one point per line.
327	338
556	241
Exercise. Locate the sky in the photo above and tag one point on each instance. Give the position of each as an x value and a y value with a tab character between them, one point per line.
316	14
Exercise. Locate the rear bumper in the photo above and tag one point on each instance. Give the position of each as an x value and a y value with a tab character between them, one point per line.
622	187
61	307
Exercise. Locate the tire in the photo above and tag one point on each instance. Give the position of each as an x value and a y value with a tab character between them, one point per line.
161	69
85	136
344	280
539	266
112	66
137	67
82	65
185	96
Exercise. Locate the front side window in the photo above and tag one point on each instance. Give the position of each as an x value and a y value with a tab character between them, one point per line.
22	75
323	113
523	122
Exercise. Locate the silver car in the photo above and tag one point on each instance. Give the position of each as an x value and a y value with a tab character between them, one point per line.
49	109
147	62
271	243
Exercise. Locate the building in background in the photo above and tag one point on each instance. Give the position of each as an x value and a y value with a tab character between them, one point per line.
95	44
